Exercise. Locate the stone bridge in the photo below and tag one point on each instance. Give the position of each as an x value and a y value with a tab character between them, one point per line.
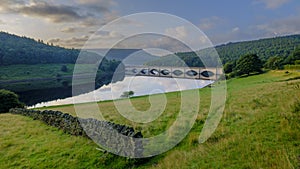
200	73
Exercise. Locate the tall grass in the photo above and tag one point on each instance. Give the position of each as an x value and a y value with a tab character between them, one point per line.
260	128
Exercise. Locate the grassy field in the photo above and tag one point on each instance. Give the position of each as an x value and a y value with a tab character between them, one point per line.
20	78
20	72
260	128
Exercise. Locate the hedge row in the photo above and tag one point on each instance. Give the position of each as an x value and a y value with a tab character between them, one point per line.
119	139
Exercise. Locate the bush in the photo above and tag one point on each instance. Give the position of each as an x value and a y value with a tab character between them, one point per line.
296	107
9	100
249	64
64	68
292	67
297	62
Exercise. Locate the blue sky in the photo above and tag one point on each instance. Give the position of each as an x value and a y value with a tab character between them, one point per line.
69	23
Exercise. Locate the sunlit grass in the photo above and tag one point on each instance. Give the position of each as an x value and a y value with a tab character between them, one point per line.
260	128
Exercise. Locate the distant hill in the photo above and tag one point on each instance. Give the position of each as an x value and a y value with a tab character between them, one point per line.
264	48
128	56
22	50
27	64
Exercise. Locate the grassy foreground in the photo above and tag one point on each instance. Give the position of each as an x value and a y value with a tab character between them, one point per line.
260	128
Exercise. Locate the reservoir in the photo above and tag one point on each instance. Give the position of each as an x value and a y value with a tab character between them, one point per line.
140	85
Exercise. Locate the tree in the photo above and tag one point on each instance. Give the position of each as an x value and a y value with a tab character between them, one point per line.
228	67
248	64
64	68
274	62
127	94
293	57
9	100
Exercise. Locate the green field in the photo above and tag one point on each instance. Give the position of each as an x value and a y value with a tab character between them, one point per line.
260	128
20	78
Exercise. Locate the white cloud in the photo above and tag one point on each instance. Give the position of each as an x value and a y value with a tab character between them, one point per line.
236	29
283	26
179	32
279	27
69	29
271	4
210	22
99	40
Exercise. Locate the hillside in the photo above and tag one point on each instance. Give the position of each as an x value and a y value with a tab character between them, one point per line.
23	50
259	129
128	56
42	72
264	48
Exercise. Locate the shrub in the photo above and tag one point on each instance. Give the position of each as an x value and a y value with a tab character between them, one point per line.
296	107
64	68
297	62
9	100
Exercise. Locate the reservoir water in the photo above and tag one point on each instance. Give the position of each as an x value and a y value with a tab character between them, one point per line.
138	84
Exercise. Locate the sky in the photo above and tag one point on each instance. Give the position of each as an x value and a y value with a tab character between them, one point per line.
70	23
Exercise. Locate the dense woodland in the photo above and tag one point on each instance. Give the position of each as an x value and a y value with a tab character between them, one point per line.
23	50
282	47
32	54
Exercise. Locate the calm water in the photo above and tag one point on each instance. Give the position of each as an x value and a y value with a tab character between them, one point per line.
140	85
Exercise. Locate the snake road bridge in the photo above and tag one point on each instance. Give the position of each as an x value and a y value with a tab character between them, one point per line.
199	73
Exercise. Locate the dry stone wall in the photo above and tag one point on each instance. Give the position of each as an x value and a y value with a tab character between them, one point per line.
120	139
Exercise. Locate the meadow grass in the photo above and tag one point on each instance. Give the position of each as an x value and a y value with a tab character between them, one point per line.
21	72
260	128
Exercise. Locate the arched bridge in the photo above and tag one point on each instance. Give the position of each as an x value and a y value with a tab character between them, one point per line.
202	73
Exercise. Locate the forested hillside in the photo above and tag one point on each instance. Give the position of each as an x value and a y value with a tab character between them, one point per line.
40	72
23	50
264	48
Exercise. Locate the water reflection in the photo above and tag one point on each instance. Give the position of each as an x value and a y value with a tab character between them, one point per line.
139	84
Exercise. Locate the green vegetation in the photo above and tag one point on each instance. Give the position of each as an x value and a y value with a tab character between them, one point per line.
25	58
23	50
43	76
282	47
248	64
26	143
292	67
127	94
292	59
274	63
259	129
8	100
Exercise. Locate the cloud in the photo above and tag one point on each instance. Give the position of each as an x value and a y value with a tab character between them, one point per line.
235	29
55	13
279	27
210	23
179	32
86	12
99	40
98	5
283	26
10	6
74	42
69	29
271	4
55	41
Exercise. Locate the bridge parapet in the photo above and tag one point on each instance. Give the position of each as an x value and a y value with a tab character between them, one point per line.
203	73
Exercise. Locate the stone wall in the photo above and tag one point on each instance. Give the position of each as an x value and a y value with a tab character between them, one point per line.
119	139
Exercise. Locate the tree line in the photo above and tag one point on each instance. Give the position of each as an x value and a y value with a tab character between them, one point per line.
278	47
